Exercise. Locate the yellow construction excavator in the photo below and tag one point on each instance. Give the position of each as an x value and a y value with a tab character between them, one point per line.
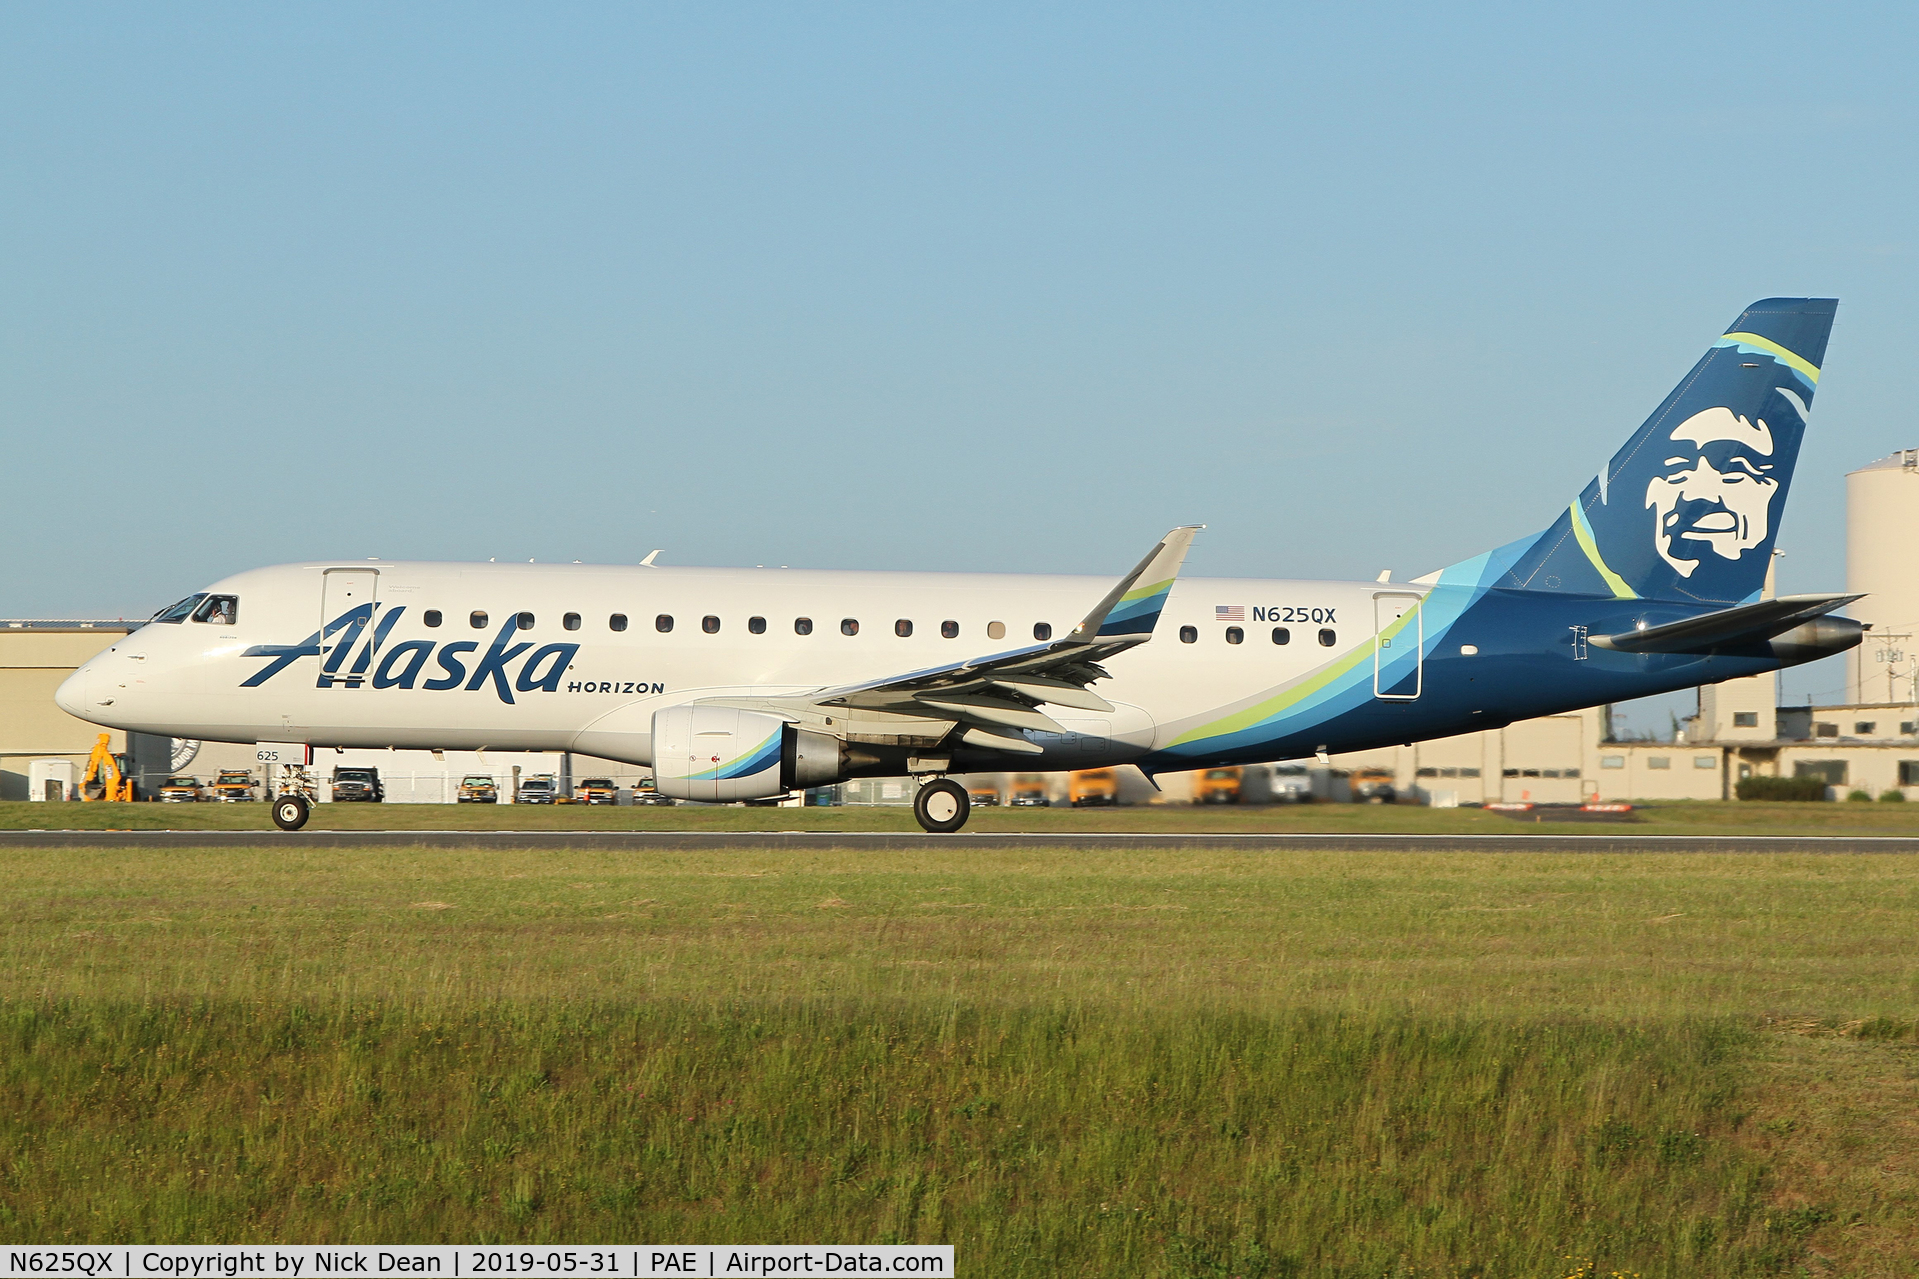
106	776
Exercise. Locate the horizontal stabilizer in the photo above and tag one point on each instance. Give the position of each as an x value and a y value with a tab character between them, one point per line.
1728	628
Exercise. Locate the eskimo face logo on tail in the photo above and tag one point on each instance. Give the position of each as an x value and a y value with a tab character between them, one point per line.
1714	496
401	665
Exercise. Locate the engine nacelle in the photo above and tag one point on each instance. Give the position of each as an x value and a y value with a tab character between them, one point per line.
1821	637
718	754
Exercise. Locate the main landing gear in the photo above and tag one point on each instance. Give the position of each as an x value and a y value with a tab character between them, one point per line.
290	812
942	806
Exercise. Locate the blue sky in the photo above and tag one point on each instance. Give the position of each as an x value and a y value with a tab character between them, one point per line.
979	287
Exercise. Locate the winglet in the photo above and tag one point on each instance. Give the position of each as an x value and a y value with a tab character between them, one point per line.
1131	609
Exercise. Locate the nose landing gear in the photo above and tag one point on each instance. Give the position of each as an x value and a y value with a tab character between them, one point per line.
290	812
942	806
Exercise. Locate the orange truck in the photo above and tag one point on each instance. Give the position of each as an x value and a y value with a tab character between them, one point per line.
234	786
984	794
1372	786
1029	791
1217	786
1093	787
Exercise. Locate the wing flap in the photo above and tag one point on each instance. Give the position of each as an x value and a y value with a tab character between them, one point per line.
1056	691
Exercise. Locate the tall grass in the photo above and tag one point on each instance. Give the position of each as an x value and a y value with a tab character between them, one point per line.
1087	1062
1039	1142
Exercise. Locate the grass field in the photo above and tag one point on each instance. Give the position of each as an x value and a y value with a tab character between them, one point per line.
1700	818
1141	1063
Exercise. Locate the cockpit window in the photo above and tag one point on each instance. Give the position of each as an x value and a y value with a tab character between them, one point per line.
221	610
179	612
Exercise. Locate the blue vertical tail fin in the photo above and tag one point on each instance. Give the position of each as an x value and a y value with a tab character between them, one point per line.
1689	508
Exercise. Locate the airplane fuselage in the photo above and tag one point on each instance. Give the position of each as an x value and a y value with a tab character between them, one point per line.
580	657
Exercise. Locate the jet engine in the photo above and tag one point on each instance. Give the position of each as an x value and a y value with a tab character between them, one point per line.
1821	637
718	754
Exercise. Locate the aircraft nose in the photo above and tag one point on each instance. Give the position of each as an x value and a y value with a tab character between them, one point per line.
82	694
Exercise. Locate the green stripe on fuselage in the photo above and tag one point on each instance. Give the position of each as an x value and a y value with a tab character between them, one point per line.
1273	706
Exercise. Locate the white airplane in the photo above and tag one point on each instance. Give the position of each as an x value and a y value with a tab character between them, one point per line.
739	684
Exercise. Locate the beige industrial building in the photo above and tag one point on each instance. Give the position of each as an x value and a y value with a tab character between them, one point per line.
34	658
1739	731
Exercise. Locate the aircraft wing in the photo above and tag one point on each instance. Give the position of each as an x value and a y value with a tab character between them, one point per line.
1747	624
993	693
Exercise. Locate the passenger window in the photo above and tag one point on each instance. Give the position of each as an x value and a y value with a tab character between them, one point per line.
1042	630
1281	635
1189	634
432	617
849	626
710	624
1327	639
571	621
525	620
802	626
617	622
1234	635
178	613
949	630
663	623
996	630
903	628
757	625
477	620
221	610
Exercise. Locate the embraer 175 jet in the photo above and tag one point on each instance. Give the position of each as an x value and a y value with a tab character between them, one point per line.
740	684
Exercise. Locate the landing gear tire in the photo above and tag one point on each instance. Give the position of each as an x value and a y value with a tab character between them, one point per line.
942	807
290	812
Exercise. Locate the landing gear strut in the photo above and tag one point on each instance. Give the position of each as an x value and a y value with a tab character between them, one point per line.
942	806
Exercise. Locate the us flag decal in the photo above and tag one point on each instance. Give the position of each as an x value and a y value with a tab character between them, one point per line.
1229	612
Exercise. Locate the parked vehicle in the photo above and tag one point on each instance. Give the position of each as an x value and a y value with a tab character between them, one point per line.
1372	786
478	788
1029	791
597	790
1093	788
536	790
181	790
357	786
1217	786
1292	784
234	786
983	794
646	796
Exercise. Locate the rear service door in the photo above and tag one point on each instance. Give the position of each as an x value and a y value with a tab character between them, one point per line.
347	602
1398	646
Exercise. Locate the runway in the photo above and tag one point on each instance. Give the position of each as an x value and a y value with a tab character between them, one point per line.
794	841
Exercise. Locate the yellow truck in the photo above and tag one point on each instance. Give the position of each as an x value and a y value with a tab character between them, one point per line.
1029	791
181	790
234	786
478	788
1093	788
1217	786
983	794
1372	786
597	790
